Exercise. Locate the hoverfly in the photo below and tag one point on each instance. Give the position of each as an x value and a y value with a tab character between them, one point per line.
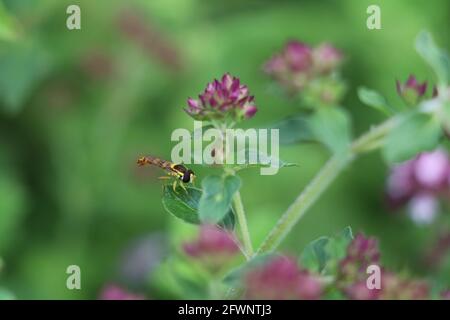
181	173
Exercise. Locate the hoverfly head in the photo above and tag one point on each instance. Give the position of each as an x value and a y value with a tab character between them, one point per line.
188	176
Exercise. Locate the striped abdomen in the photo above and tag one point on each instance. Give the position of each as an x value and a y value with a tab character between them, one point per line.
163	164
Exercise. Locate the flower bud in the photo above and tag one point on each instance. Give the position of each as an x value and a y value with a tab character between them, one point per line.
226	98
114	292
213	247
281	279
411	91
326	58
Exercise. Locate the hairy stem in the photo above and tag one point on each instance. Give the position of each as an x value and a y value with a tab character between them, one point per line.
370	141
242	221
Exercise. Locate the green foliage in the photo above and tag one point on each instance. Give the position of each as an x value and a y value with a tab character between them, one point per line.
215	201
436	57
331	126
375	100
416	132
184	205
234	277
294	129
322	255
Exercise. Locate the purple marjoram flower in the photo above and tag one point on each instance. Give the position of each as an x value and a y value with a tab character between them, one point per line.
394	287
445	295
292	67
114	292
213	247
411	91
298	56
419	183
326	58
227	98
431	169
352	276
360	291
281	279
423	208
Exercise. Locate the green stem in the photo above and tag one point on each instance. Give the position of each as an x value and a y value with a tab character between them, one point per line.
367	142
242	220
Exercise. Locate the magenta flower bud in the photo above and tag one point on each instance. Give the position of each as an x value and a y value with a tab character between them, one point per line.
401	183
423	208
114	292
431	169
326	58
222	99
298	56
398	288
361	253
299	68
281	279
214	247
411	91
445	295
419	183
360	291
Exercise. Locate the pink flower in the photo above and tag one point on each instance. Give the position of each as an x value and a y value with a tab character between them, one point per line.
281	279
222	99
411	91
213	247
419	183
114	292
326	58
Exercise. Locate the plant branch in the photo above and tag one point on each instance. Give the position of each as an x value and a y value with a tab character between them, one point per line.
242	221
367	142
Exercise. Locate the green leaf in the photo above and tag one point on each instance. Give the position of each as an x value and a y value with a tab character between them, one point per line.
337	248
229	222
417	132
184	205
314	256
374	99
294	130
331	126
234	277
437	59
323	255
217	195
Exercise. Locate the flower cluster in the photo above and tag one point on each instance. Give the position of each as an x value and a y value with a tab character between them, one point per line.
352	275
213	248
281	279
412	91
115	292
224	99
312	71
419	183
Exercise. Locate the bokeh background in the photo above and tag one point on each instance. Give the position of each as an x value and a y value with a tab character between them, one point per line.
78	107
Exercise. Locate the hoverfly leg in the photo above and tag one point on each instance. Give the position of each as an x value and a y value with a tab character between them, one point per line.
174	186
184	187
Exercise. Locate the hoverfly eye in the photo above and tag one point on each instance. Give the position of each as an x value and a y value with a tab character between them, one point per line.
186	177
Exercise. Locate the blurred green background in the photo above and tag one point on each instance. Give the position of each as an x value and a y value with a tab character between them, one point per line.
77	108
